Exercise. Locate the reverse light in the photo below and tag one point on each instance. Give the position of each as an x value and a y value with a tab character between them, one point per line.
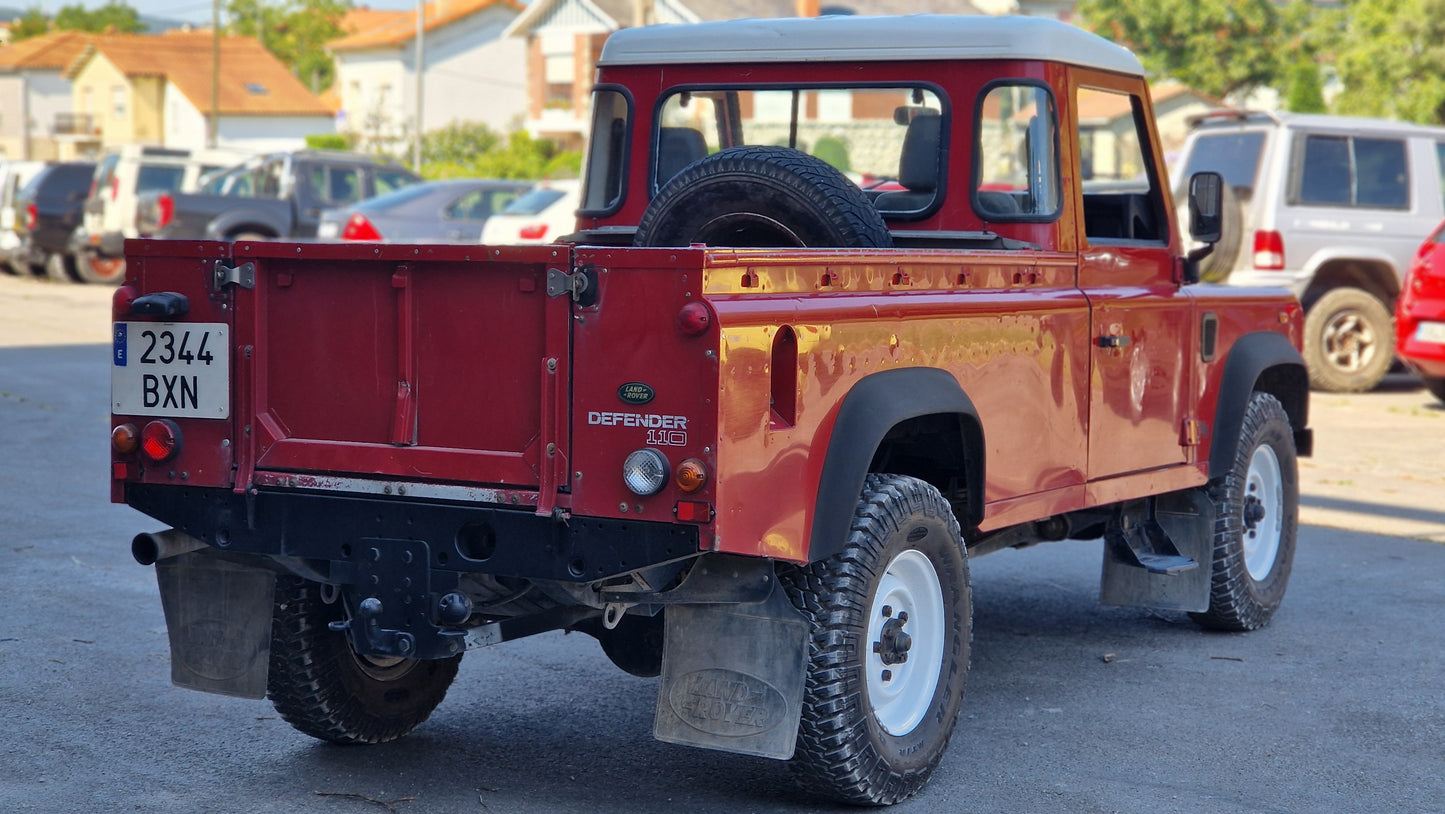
533	231
1268	250
691	475
645	471
125	439
359	228
160	441
165	210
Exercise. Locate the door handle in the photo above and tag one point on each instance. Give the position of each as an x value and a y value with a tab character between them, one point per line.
1112	341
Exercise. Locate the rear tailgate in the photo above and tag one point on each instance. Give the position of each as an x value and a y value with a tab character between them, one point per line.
370	367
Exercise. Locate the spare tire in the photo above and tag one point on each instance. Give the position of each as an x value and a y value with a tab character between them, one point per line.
761	197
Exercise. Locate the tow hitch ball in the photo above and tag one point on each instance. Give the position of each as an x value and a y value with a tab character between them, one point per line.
453	609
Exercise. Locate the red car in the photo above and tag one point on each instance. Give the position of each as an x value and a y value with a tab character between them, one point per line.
1420	314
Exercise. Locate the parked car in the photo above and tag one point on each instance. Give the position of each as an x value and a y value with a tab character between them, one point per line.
438	211
546	213
271	196
1332	207
48	210
123	174
1420	314
14	175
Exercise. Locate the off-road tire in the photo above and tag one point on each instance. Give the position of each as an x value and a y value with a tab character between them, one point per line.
322	688
91	267
61	268
761	197
1256	522
1436	386
844	750
1349	341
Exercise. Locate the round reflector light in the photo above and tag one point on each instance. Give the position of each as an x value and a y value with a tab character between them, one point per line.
160	440
645	471
694	319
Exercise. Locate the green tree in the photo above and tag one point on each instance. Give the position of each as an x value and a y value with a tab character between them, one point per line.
1306	95
459	143
296	31
31	24
1219	47
473	150
1391	59
114	17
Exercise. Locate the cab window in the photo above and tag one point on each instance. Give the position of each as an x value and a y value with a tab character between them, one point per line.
1123	200
1016	166
888	140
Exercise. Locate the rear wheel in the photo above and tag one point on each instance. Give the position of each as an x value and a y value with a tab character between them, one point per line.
1349	341
325	689
891	619
1257	520
91	267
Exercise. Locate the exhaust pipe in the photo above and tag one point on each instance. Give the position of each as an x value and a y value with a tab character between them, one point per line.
150	547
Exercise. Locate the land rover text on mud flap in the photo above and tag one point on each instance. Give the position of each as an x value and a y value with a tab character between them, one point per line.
851	301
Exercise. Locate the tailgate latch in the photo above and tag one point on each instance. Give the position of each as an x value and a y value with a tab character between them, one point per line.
223	275
579	285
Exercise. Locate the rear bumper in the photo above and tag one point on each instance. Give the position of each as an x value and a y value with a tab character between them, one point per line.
336	533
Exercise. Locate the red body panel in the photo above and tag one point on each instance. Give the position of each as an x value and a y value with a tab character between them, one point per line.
1422	299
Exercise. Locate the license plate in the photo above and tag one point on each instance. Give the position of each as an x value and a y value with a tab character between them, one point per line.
1431	332
180	369
328	230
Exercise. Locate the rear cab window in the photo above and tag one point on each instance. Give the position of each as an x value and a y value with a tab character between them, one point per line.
1016	164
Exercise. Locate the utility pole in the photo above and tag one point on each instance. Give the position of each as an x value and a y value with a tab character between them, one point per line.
420	84
213	126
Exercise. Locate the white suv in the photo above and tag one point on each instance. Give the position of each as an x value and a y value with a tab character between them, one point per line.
121	175
1332	207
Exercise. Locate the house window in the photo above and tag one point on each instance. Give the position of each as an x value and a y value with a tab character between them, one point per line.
117	101
559	59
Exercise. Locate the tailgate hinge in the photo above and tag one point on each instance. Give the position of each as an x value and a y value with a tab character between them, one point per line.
223	275
579	285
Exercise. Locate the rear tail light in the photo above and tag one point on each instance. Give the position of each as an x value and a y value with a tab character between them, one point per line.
694	319
1268	250
359	228
114	187
125	439
165	210
535	231
691	475
31	216
160	441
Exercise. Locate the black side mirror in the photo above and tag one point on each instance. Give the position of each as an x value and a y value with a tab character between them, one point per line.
1206	203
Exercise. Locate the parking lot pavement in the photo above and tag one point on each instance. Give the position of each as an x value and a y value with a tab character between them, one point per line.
1378	467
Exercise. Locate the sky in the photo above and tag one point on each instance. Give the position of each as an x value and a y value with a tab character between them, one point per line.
192	11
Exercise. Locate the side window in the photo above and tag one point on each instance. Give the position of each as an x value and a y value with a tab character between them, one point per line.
1350	171
607	152
1016	166
1123	200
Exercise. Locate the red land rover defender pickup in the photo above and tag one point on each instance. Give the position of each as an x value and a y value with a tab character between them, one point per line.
852	300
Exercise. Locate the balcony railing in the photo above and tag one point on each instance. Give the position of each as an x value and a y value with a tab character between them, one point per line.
75	124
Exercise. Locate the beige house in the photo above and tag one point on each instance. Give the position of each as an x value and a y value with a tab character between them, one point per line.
157	89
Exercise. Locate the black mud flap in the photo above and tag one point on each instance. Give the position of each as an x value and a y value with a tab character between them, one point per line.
1167	559
732	677
218	615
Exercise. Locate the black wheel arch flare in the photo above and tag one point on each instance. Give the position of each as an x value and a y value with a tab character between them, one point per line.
1266	361
870	410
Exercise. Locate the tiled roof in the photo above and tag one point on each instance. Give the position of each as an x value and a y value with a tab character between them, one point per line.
621	11
253	81
387	29
53	51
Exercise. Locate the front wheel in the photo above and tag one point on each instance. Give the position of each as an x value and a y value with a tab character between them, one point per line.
61	268
93	267
1436	386
891	621
325	689
1256	522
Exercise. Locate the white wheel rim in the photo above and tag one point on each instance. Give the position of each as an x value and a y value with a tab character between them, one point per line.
1263	512
900	692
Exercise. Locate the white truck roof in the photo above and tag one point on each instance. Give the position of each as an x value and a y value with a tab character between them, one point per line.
871	39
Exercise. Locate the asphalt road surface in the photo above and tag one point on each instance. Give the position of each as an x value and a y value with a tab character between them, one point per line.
1071	707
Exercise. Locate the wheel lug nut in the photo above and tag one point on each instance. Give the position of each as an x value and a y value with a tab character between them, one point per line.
887	610
903	616
887	675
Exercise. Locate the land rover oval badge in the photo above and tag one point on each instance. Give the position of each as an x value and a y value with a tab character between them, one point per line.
636	393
